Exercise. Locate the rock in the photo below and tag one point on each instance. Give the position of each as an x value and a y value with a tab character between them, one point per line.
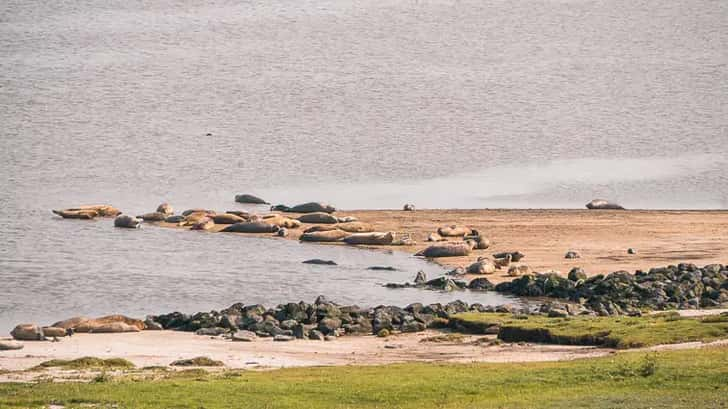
324	236
321	299
329	325
370	238
251	227
571	254
198	361
214	331
446	250
454	231
311	207
244	336
283	338
577	274
27	332
318	218
315	334
481	283
484	266
246	198
601	204
330	338
420	278
408	207
10	345
413	326
126	222
320	262
57	332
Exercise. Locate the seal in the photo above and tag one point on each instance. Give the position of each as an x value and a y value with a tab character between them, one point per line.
325	227
318	218
227	218
251	199
175	219
204	224
454	231
76	214
101	210
320	262
282	232
153	217
282	221
127	221
516	256
239	213
190	211
311	207
382	239
165	209
324	236
251	227
356	227
446	250
602	204
515	271
482	266
408	207
503	262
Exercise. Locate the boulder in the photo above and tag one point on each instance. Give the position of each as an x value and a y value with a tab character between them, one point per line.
244	336
27	332
577	274
284	338
324	236
329	325
602	204
481	283
318	218
375	238
454	231
315	334
251	227
246	198
446	250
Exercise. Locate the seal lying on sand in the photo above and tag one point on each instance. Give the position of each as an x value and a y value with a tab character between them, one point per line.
454	231
127	222
356	227
76	214
204	224
153	217
446	250
324	236
246	198
101	210
282	221
165	209
516	256
239	213
482	266
227	218
326	227
503	262
175	219
251	227
190	211
370	238
310	207
318	218
601	204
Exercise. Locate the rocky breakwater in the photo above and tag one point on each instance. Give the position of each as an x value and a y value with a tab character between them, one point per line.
316	321
682	286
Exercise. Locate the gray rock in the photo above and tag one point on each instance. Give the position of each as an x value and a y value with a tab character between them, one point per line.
244	336
284	338
315	334
572	254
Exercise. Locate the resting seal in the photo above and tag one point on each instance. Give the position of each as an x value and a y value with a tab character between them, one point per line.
324	236
409	207
454	231
153	217
251	227
310	207
446	250
76	214
282	221
190	211
601	204
370	238
204	224
245	198
483	266
516	256
227	218
165	209
356	227
175	219
318	218
127	222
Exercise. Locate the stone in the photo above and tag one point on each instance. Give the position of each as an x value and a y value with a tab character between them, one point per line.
244	336
631	251
577	274
315	334
329	325
481	283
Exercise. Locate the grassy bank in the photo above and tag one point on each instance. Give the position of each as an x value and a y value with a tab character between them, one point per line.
696	378
616	332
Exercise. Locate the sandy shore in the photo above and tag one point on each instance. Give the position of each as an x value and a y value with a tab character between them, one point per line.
544	236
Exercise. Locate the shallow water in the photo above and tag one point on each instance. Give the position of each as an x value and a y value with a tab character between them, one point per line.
367	104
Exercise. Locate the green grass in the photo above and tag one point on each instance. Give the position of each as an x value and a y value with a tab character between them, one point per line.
87	363
616	332
670	379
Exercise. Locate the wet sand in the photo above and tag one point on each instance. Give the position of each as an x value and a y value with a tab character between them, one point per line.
601	237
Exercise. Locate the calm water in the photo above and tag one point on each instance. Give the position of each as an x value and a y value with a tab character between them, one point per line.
366	104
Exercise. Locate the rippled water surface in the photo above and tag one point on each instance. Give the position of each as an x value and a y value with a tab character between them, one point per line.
366	104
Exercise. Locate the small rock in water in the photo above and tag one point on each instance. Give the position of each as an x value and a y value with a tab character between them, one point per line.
572	254
320	262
